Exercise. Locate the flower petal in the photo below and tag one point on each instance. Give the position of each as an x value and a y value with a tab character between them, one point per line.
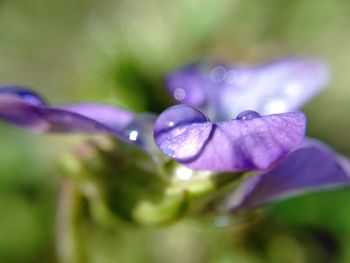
257	142
23	94
20	113
312	166
223	92
25	108
188	86
108	115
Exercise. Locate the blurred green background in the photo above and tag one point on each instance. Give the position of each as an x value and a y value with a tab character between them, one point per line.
118	52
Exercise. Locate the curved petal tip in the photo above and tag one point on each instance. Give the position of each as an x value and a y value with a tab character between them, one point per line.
27	109
312	166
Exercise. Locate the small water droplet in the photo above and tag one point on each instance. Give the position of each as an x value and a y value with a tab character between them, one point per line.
139	131
248	115
178	115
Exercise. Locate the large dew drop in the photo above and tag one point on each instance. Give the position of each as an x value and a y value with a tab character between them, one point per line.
177	116
181	132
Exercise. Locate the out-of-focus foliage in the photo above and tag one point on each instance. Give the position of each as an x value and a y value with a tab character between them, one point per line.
118	52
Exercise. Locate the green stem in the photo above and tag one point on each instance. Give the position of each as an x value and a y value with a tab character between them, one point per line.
69	246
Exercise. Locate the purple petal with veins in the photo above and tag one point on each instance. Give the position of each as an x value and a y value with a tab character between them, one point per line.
312	166
223	91
249	142
27	109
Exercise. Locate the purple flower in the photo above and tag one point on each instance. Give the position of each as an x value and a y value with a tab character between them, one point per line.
279	86
184	133
223	91
254	126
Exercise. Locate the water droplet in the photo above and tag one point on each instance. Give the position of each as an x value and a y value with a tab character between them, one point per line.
139	131
24	94
181	132
248	115
217	74
178	115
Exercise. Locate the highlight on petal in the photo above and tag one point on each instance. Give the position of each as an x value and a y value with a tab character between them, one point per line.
249	142
28	110
312	166
224	91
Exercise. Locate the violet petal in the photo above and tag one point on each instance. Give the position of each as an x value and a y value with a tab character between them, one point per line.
312	166
187	86
110	116
223	92
185	134
21	107
23	94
